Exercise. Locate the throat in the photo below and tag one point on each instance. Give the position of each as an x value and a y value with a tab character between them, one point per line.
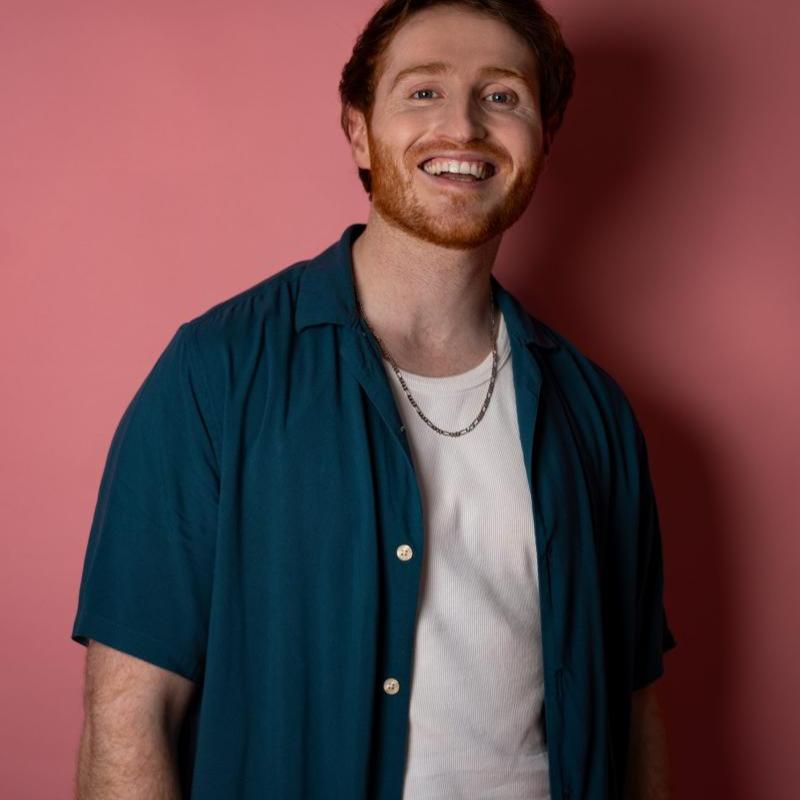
440	363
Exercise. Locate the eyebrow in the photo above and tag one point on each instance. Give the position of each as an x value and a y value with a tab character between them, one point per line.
439	67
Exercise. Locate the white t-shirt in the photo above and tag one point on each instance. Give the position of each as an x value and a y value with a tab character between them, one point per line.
477	687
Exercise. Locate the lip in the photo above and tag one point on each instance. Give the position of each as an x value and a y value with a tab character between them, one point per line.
457	185
462	157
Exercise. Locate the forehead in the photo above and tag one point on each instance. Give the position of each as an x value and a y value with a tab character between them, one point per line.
467	39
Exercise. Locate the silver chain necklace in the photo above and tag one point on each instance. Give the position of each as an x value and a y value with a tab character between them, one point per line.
413	402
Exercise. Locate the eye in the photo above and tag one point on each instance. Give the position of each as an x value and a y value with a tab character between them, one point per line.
421	90
502	94
509	95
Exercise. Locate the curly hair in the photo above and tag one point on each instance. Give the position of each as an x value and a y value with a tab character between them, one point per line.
555	63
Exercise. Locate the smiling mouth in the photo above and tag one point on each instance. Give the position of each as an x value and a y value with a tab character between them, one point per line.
453	171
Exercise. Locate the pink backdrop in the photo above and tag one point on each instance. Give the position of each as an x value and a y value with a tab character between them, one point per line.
156	158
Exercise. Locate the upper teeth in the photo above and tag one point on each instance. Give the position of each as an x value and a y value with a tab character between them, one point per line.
480	169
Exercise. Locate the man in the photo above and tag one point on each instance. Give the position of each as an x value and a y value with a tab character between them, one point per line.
368	529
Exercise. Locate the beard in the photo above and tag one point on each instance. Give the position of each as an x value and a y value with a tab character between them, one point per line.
466	220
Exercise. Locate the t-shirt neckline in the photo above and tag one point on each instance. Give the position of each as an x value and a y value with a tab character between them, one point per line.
475	376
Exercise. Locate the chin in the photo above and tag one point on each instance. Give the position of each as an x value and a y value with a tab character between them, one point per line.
456	231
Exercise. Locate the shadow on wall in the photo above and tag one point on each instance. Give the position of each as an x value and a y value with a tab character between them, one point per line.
578	259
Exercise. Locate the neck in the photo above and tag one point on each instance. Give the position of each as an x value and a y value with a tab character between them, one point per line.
430	305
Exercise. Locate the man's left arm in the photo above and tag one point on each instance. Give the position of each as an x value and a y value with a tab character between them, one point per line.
647	775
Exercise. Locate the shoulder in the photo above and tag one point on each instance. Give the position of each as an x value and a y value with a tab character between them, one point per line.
237	319
583	376
227	342
597	401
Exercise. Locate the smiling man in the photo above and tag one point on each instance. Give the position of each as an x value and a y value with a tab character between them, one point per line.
369	529
480	146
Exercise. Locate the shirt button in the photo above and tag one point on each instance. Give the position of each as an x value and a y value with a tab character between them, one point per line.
404	552
402	428
391	686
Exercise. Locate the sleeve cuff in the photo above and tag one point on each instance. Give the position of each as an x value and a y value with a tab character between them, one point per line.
92	626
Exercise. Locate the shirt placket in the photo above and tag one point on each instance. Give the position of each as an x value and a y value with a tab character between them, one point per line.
401	544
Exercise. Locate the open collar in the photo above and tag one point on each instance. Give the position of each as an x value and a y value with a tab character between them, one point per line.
326	295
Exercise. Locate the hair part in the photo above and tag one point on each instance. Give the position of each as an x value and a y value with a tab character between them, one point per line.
555	63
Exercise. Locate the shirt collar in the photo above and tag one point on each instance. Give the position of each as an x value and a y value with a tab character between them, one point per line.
326	295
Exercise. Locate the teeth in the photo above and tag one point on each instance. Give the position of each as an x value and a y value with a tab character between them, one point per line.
436	166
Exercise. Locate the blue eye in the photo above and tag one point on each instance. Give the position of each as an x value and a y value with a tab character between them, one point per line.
507	94
421	90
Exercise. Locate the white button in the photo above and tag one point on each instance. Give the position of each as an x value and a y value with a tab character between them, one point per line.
404	552
391	686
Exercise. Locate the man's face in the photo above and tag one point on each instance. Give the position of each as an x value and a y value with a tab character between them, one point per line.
465	113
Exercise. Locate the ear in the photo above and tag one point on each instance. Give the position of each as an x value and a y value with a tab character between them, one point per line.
359	143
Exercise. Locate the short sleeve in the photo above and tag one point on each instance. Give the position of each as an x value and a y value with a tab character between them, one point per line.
148	567
652	636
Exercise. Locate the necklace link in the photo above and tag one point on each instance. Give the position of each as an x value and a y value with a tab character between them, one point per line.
388	356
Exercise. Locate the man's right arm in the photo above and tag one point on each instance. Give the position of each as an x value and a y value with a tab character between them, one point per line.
133	712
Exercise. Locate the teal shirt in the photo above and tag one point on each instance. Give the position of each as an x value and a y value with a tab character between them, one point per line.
245	536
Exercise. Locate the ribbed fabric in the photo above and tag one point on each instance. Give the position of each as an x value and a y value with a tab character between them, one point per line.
477	688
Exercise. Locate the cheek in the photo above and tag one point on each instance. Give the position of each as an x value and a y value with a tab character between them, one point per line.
409	120
524	138
407	125
396	136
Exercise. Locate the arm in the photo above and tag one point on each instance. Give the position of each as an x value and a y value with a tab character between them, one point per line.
133	712
647	772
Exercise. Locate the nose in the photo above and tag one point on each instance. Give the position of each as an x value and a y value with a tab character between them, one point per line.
462	118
